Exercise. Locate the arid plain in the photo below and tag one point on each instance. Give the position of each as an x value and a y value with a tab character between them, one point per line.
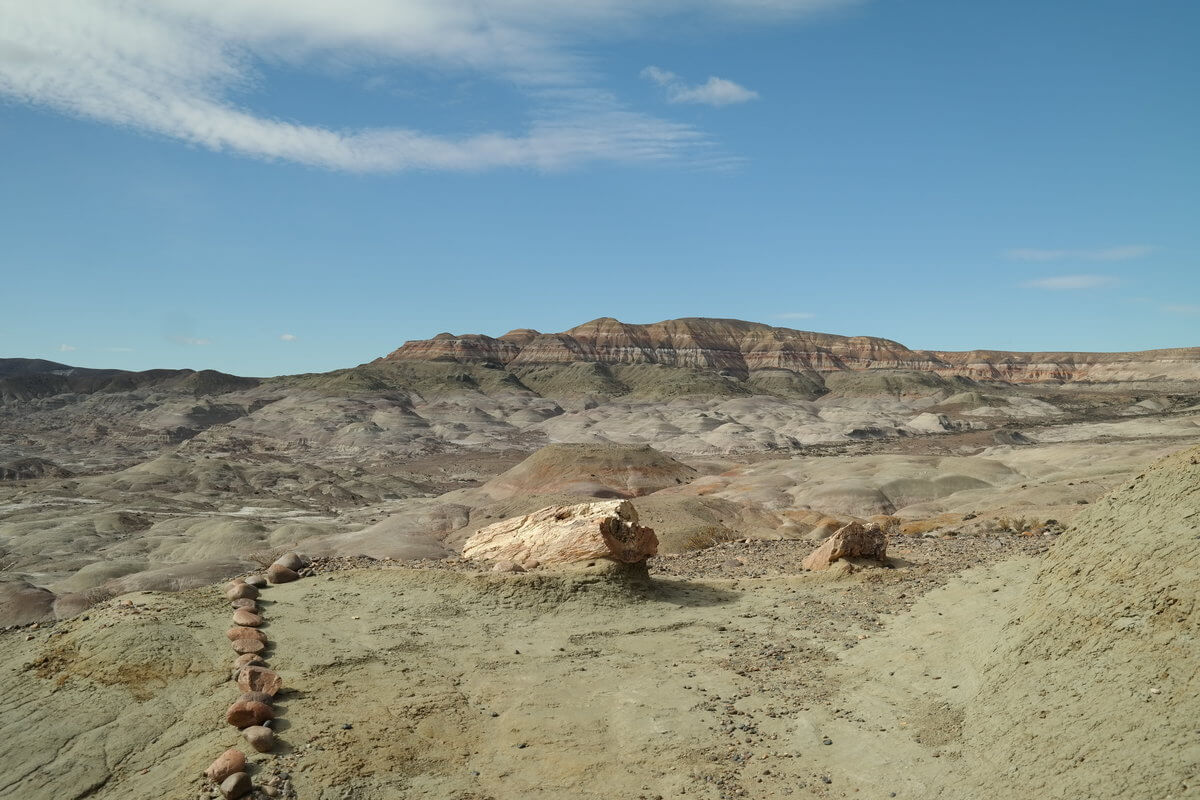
1033	631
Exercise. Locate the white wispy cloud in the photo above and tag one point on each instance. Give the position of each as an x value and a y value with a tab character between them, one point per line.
795	315
1121	253
66	348
288	337
713	92
1182	309
185	69
191	340
1061	282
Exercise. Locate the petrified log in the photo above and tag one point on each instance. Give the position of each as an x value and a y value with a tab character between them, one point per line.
566	534
850	541
248	660
258	581
292	560
227	763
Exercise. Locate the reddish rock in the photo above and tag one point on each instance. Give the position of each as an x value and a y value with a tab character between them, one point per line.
236	785
277	573
248	660
246	618
234	634
245	646
245	713
258	697
293	561
241	591
227	763
851	541
260	738
259	679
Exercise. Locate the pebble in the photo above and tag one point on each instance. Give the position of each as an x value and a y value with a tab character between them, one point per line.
248	660
245	646
260	738
243	714
246	618
233	634
236	785
241	591
260	679
227	763
277	573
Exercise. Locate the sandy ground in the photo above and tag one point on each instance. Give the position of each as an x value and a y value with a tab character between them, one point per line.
445	684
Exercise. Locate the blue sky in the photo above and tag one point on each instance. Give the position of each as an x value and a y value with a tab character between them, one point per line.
277	187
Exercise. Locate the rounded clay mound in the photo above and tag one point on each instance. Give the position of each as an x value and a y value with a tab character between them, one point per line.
1095	689
592	470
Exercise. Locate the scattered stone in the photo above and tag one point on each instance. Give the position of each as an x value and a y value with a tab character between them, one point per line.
850	541
243	714
245	646
236	785
257	697
260	738
233	634
566	534
277	573
227	763
259	581
507	566
249	660
241	591
293	561
247	618
258	679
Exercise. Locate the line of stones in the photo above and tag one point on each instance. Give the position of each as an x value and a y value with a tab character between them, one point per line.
252	712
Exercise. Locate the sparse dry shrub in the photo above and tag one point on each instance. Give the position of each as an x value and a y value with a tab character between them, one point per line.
98	594
265	558
709	537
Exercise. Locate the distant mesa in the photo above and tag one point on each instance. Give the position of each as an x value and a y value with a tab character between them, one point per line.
738	349
591	470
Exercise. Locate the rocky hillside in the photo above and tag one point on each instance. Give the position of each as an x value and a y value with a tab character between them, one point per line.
738	349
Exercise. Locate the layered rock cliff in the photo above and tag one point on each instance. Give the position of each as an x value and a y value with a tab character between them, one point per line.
738	348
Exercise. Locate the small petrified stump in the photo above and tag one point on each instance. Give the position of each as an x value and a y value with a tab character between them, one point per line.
227	763
278	573
246	618
245	713
258	679
236	785
239	591
260	738
245	646
850	541
234	634
246	603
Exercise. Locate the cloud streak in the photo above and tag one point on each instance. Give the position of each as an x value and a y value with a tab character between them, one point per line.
1071	282
180	68
1121	253
713	92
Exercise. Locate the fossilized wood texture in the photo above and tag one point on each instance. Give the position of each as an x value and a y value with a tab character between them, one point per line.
566	534
851	541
